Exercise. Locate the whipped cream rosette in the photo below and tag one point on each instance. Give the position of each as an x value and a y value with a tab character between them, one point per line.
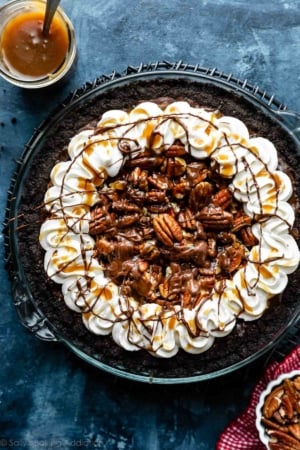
114	260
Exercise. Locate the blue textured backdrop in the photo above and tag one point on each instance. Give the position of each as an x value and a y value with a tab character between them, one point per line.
48	397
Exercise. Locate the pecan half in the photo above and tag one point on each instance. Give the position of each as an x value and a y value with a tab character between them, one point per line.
240	222
149	251
200	195
230	258
273	401
157	208
236	253
279	446
139	178
223	198
294	429
248	237
173	167
155	196
287	407
125	206
145	161
167	229
196	172
175	150
190	251
225	238
100	221
127	220
285	439
186	220
105	247
212	250
180	189
172	284
159	181
214	217
207	282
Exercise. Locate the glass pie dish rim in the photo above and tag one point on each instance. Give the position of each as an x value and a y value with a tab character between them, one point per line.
29	313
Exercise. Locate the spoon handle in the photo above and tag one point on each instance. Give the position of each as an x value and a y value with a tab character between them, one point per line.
51	7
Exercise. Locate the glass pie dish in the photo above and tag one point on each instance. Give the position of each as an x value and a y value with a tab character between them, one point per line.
246	343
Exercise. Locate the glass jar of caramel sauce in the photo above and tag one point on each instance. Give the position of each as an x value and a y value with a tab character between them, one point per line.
28	58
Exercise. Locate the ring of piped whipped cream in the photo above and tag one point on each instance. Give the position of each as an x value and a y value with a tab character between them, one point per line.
249	166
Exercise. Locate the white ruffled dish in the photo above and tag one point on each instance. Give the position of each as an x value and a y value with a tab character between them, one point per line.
265	439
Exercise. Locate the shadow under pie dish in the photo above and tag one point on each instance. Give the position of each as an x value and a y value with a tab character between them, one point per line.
150	222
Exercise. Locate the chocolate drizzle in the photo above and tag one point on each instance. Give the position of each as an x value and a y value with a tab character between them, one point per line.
159	232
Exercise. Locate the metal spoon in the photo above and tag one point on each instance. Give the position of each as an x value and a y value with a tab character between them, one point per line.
51	7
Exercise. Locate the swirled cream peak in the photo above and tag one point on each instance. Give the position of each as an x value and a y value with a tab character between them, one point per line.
250	168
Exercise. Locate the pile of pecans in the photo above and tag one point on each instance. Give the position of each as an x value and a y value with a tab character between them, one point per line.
281	415
168	229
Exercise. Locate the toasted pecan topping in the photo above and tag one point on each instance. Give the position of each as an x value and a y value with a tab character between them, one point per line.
281	415
172	214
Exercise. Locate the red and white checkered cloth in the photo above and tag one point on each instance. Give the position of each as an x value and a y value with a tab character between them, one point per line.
241	434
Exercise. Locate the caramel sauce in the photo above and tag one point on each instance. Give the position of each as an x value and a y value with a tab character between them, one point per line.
156	140
27	52
148	130
85	185
172	323
104	292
